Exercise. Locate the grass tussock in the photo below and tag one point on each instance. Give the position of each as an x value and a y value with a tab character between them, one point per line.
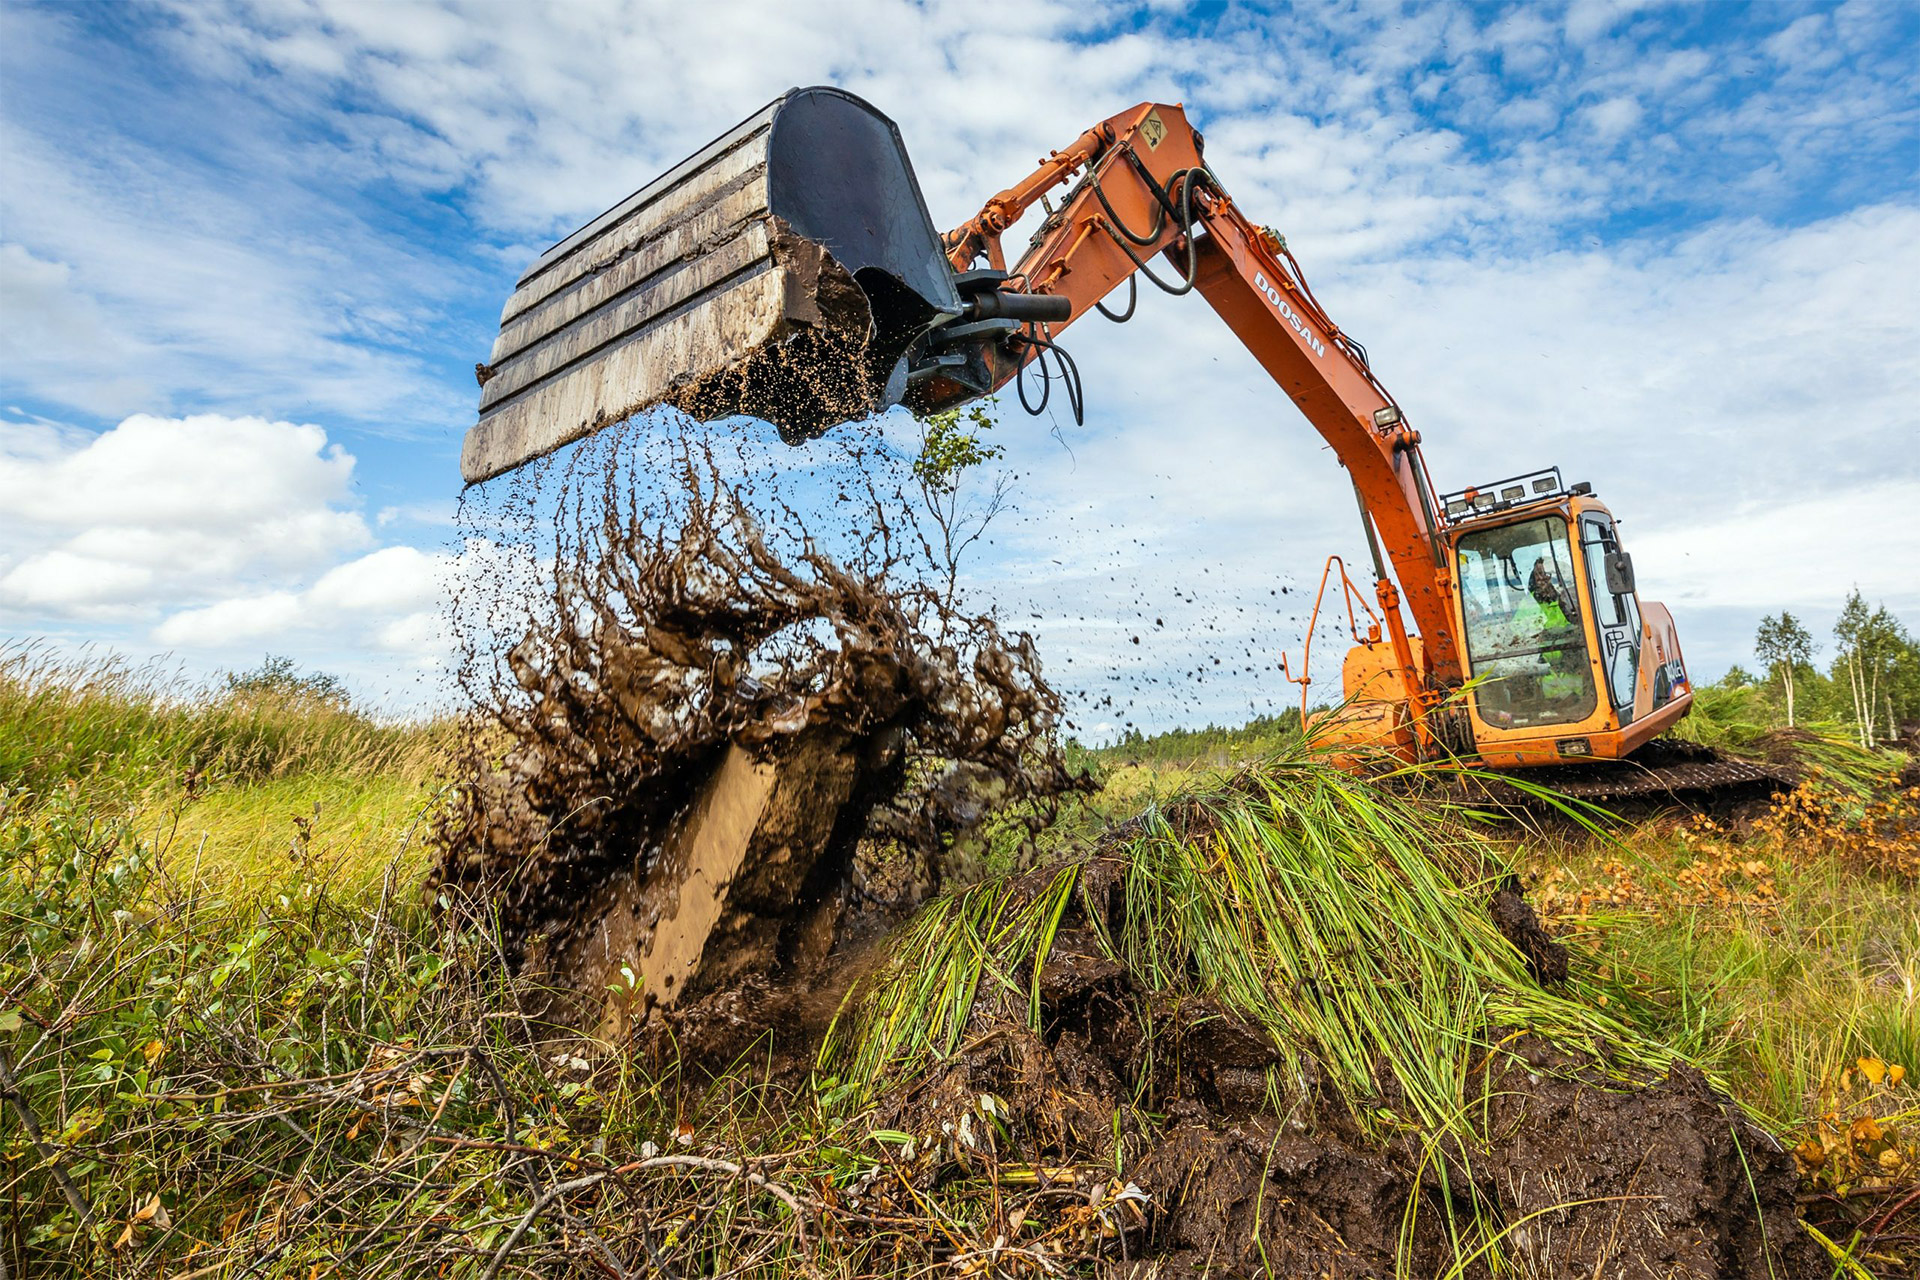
1345	917
1739	721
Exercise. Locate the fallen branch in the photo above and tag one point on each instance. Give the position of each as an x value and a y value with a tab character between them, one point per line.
766	1184
546	1198
31	1123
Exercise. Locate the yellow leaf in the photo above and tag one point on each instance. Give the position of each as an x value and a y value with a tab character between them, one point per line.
147	1210
1811	1153
126	1237
1873	1069
1865	1130
1896	1073
153	1050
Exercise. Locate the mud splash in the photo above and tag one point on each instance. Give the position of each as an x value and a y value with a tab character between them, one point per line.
711	740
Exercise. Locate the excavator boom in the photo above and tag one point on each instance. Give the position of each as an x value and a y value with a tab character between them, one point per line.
789	271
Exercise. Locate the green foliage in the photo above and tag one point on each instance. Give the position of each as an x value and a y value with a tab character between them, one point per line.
951	445
1214	745
251	1049
308	1073
278	679
1876	659
1785	647
1783	640
1770	965
124	729
1344	916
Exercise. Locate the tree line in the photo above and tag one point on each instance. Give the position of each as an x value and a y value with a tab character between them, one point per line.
1871	682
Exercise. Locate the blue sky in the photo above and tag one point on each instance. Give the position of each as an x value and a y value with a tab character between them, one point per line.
250	252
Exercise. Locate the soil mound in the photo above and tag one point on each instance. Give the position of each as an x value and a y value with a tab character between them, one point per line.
1160	1145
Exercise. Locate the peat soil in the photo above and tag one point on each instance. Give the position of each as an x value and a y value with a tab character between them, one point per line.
1580	1173
712	755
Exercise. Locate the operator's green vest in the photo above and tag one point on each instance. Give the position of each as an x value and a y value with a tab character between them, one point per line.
1564	678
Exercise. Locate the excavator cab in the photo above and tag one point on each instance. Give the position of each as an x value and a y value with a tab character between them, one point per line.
1562	659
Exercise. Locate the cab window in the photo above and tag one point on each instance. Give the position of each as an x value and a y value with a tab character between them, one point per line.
1526	642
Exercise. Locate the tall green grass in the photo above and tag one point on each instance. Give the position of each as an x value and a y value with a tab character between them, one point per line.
1345	917
1741	721
117	727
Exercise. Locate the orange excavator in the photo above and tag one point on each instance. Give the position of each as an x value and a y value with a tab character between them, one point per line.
790	271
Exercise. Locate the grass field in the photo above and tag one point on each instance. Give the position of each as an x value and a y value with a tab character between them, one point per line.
232	1031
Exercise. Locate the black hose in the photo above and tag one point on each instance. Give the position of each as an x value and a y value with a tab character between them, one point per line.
1046	386
1159	210
1133	297
1186	180
1069	377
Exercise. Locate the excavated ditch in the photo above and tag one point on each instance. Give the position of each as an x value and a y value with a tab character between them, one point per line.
1581	1173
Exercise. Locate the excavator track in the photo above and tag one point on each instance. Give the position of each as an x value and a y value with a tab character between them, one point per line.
1670	769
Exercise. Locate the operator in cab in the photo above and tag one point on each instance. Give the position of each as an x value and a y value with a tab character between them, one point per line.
1554	613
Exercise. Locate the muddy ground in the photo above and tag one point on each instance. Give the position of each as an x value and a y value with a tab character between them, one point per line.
1582	1173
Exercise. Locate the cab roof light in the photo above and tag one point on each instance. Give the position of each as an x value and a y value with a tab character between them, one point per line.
1387	417
1545	483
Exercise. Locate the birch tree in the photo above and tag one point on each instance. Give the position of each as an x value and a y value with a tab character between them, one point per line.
953	444
1870	645
1784	645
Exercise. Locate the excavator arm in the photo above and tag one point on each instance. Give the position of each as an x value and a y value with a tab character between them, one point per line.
1140	188
789	271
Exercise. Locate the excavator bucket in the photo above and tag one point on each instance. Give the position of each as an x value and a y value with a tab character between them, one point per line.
780	272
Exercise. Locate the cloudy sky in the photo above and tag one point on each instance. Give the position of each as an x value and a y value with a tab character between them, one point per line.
251	250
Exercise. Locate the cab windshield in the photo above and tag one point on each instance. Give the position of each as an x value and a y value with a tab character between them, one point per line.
1526	644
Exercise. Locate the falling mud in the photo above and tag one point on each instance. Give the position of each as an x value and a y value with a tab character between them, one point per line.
709	741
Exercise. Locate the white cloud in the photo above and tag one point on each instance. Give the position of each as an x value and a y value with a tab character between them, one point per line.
1614	117
216	536
231	624
1801	554
391	580
388	600
124	522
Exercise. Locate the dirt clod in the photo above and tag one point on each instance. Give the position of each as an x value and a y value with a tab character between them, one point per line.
1517	921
